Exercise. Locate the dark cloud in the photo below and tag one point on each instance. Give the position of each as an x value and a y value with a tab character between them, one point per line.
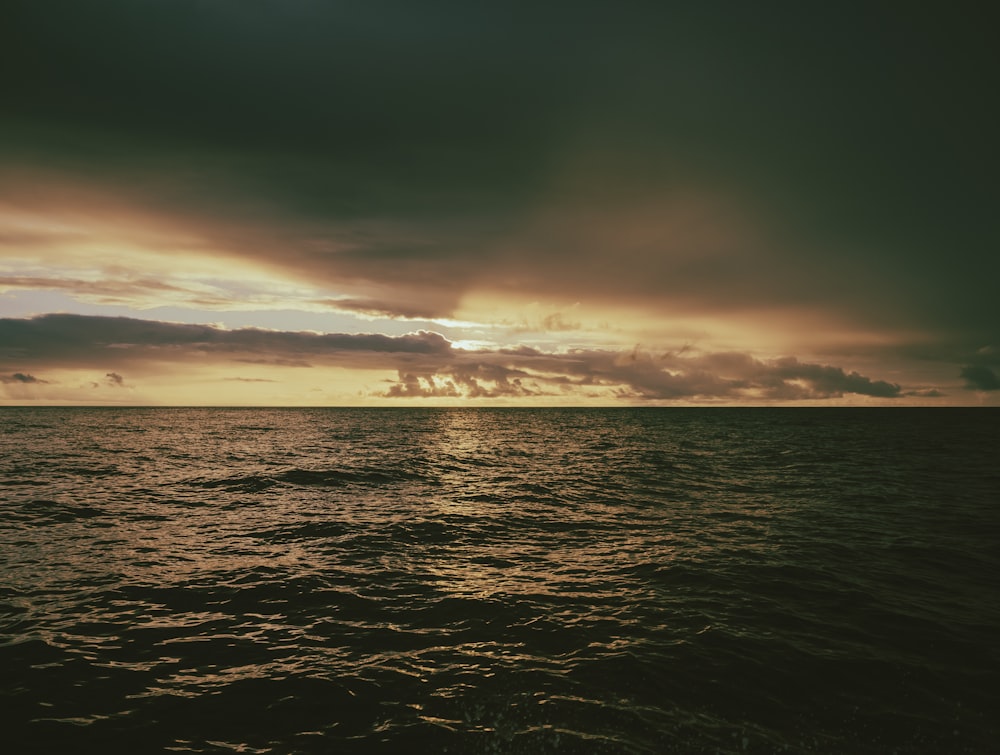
377	308
84	340
20	378
833	381
114	379
980	378
406	153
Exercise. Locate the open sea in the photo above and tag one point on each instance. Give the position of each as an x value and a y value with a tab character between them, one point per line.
499	580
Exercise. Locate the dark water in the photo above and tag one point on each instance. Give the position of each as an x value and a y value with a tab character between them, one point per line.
653	580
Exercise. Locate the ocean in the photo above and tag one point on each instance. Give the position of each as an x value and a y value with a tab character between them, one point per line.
640	580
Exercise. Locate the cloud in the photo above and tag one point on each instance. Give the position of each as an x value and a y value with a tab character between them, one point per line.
980	378
426	363
122	288
379	308
422	386
104	290
661	157
831	381
20	378
87	340
637	375
470	380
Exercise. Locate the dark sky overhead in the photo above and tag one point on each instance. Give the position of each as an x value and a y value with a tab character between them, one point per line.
786	181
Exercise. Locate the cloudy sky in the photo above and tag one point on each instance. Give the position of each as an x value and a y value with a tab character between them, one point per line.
309	202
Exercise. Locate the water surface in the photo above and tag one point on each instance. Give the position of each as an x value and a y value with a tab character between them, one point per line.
648	580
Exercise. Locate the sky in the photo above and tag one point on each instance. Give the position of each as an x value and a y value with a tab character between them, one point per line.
254	202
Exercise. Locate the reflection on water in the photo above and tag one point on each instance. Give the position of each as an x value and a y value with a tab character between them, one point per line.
498	580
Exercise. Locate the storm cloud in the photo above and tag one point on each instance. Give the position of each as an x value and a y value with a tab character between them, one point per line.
711	158
980	378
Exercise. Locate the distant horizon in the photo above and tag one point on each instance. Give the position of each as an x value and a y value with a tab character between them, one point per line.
492	407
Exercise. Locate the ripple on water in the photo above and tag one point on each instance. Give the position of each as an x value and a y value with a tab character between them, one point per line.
512	581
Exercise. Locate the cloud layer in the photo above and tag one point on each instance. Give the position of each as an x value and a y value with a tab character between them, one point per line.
426	364
716	159
721	167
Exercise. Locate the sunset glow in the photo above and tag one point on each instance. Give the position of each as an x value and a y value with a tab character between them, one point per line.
466	207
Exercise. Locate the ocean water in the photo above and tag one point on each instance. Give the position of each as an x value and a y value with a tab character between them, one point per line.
491	580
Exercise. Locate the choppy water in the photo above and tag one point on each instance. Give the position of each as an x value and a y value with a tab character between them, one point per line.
652	580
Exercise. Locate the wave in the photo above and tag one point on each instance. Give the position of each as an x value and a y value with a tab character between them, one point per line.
311	478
